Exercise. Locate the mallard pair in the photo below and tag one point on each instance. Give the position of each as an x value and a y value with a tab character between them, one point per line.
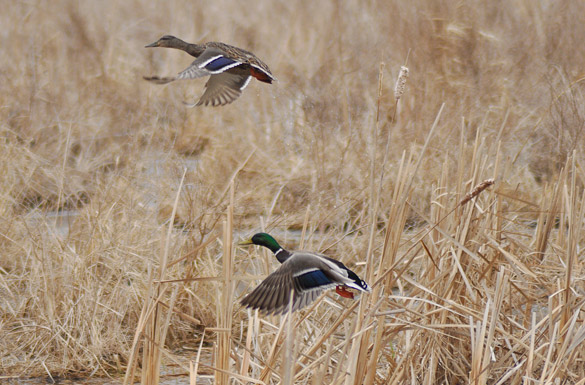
229	68
305	274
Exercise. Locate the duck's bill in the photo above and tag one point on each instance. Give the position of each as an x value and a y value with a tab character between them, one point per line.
155	44
245	242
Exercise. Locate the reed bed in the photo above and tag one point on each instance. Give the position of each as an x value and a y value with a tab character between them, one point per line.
454	187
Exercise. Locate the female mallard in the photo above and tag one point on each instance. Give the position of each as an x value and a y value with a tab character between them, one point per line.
307	274
230	69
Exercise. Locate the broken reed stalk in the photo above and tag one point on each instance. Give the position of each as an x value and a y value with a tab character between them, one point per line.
572	242
226	303
194	366
251	333
288	356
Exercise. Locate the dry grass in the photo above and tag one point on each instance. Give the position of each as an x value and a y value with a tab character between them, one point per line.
120	207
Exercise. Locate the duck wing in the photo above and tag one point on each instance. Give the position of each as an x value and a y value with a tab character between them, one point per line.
303	274
211	61
224	88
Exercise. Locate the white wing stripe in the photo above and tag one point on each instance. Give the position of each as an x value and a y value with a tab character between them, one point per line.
298	273
335	268
242	88
209	61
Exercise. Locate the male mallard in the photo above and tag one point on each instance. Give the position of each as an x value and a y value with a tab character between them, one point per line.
230	69
307	274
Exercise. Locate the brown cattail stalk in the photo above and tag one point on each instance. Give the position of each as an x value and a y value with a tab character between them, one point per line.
476	191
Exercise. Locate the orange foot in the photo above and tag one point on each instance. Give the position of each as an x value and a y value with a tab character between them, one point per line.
342	291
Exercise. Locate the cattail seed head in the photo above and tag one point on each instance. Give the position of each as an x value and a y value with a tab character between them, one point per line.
476	191
400	82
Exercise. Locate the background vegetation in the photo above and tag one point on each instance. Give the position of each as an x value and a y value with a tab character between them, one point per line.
93	157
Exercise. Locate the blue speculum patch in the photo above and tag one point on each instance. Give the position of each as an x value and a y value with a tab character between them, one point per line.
219	63
313	279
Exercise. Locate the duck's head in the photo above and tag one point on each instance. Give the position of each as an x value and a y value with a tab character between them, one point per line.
165	41
262	239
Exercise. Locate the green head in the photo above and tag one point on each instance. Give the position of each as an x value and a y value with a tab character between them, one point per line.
262	239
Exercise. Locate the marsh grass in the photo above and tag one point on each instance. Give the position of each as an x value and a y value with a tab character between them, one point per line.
120	208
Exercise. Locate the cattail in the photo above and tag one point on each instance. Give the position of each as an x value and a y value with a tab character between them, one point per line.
477	190
400	83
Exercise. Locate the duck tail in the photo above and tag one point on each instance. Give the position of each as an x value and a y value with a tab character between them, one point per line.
261	75
159	80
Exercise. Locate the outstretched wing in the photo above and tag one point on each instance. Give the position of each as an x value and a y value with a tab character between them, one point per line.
273	294
223	88
212	61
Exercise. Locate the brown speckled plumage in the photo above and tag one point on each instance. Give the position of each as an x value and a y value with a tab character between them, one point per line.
230	69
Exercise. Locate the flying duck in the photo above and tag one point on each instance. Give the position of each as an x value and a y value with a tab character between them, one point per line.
306	273
229	68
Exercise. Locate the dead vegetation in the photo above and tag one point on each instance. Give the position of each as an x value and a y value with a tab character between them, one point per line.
120	208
